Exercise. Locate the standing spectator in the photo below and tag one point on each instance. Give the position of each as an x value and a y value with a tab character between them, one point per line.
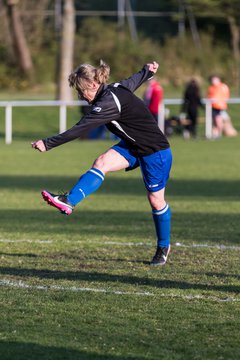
153	97
191	102
219	93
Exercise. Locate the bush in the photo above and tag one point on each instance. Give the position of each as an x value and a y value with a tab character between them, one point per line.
179	59
184	60
97	39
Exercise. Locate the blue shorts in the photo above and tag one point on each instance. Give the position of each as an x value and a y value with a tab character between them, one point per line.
155	168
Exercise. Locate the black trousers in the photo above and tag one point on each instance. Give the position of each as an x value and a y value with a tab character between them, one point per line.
192	117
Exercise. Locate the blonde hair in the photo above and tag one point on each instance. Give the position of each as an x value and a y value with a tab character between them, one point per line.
85	74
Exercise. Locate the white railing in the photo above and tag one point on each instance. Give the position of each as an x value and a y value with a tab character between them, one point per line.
8	105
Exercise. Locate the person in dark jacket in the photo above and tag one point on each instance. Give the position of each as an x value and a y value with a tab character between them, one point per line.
142	144
191	102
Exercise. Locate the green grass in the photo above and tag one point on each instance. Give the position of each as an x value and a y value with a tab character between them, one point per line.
190	309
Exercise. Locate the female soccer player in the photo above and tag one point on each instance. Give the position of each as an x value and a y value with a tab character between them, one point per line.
142	144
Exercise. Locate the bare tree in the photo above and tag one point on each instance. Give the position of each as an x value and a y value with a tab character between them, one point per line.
66	50
19	42
34	14
235	32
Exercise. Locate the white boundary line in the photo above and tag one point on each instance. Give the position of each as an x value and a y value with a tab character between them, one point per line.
220	247
26	241
116	243
22	285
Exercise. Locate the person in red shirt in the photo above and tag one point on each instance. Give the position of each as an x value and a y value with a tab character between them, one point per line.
153	97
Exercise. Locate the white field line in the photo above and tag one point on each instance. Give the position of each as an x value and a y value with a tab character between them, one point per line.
26	241
22	285
220	247
116	243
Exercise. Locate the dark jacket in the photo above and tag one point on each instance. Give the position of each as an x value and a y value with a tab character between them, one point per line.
192	98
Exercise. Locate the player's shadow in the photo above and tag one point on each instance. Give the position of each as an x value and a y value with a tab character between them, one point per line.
219	275
18	254
78	257
27	350
84	276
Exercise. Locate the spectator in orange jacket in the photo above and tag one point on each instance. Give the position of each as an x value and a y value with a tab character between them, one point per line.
153	97
219	93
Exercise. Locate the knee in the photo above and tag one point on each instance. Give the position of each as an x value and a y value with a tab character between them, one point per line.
157	202
99	164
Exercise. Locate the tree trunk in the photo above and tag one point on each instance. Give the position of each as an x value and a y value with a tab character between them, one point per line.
235	33
21	49
66	50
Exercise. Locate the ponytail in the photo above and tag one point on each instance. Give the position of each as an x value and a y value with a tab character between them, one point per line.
102	73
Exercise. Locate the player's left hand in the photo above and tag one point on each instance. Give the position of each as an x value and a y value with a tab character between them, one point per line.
39	145
153	66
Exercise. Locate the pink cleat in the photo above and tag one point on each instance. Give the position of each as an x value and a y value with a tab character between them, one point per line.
58	201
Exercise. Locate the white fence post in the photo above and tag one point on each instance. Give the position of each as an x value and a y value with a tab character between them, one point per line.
8	105
208	115
161	117
8	124
62	118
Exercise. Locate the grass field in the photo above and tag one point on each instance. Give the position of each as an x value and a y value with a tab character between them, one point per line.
80	287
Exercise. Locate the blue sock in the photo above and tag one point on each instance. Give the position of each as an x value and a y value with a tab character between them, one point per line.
162	220
87	184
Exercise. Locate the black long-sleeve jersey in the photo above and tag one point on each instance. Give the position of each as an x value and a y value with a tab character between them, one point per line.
124	114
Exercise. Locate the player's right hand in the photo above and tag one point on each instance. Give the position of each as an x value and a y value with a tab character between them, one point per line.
39	145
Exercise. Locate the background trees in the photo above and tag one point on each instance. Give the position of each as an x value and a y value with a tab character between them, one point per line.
19	42
228	11
41	42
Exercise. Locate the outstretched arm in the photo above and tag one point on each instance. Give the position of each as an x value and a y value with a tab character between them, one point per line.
136	80
103	112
